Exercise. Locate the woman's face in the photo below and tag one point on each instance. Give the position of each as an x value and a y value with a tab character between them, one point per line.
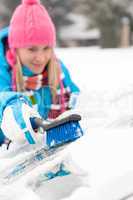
35	57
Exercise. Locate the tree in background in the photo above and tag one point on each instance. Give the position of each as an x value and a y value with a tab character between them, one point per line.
59	10
107	15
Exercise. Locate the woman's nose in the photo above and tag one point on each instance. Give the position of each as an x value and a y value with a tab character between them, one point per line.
39	57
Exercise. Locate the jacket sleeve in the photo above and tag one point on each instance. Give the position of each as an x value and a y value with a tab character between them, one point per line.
7	95
6	99
67	81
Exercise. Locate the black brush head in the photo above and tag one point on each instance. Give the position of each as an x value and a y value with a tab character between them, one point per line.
39	122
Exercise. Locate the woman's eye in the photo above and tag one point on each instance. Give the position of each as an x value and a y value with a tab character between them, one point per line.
32	50
46	48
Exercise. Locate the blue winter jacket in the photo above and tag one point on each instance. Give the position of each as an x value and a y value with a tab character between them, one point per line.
6	93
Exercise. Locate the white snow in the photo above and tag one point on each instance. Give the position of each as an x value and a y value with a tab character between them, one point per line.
105	152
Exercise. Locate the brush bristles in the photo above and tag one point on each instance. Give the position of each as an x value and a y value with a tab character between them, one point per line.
64	133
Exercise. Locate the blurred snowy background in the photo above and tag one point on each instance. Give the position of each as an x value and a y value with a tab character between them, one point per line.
105	79
106	106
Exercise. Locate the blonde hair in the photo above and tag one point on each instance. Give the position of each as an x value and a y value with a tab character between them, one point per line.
54	72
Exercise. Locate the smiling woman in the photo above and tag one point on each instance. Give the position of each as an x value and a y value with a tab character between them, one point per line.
36	76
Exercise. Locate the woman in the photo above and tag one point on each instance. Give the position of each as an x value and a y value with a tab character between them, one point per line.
33	82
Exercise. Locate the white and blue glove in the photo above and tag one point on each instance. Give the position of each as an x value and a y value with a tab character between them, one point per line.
73	100
16	124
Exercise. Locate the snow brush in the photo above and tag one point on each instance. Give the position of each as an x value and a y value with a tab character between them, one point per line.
60	131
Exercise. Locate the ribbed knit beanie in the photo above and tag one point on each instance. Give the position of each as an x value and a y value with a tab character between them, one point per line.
31	25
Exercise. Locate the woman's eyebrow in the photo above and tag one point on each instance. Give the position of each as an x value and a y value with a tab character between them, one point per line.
35	47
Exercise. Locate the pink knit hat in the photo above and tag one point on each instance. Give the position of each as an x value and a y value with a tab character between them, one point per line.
31	25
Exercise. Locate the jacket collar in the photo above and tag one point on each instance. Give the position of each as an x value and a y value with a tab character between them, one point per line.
4	33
